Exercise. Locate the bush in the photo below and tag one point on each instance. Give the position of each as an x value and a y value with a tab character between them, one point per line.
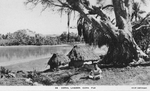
142	37
4	72
37	77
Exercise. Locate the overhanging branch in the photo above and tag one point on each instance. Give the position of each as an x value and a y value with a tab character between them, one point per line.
107	6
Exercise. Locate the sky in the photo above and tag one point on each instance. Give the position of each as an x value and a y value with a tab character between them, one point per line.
14	15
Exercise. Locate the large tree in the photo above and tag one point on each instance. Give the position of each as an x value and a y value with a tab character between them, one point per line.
97	28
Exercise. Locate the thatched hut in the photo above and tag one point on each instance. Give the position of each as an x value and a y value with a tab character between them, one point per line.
57	60
79	56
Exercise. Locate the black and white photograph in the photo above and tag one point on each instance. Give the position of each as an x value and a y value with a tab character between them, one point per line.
75	45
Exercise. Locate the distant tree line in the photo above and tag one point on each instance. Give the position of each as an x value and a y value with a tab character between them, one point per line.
73	37
21	38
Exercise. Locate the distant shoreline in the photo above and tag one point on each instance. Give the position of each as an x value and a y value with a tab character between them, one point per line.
43	45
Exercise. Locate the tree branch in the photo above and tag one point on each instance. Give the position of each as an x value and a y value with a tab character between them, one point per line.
142	27
107	6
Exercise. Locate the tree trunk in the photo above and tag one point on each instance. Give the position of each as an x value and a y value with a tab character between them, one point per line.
68	23
122	46
123	50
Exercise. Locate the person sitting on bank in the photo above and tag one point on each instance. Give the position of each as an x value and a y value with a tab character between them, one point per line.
96	73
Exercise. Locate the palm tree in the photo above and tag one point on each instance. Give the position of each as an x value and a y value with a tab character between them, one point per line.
137	12
69	12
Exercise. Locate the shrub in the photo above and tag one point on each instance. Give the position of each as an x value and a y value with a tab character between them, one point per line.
37	77
4	72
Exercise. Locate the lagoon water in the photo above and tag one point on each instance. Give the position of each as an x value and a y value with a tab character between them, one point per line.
18	54
26	53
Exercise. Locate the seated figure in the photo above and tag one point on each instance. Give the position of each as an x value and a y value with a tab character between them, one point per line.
96	73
